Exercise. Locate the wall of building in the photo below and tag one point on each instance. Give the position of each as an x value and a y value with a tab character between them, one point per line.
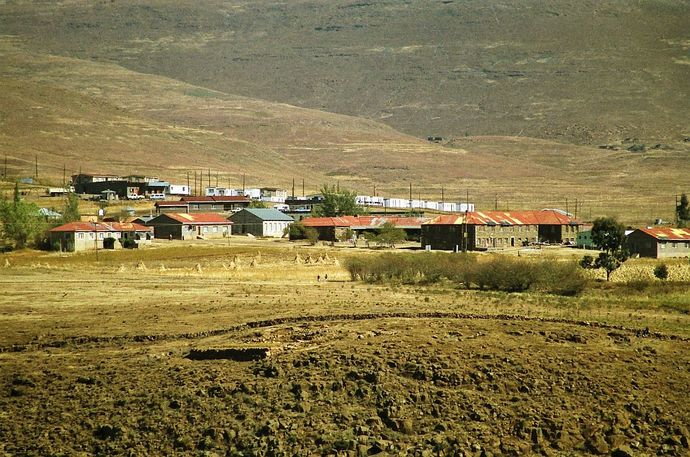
83	241
500	236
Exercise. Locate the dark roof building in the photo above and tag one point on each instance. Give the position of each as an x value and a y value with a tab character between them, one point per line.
261	222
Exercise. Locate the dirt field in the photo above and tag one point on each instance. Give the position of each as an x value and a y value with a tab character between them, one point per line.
191	350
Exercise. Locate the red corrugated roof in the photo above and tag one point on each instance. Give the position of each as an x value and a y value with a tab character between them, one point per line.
171	203
198	218
668	233
363	222
101	227
535	217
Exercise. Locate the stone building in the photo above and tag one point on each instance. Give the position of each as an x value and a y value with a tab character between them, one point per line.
261	222
659	242
482	230
185	226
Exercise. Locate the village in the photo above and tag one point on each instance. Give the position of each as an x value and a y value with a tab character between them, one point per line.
269	212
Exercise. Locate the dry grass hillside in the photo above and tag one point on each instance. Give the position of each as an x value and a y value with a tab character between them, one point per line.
580	72
104	118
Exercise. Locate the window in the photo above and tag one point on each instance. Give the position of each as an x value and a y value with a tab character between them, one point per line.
662	245
81	236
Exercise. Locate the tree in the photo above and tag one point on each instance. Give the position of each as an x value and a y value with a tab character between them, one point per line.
609	236
683	211
312	235
21	222
257	204
390	235
346	234
71	211
337	203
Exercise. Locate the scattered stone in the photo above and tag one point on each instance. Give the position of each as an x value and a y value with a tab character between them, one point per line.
141	266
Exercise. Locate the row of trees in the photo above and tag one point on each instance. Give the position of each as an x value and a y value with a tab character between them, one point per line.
22	225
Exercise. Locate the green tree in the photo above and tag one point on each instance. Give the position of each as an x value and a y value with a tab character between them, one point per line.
390	235
311	234
609	236
21	223
71	211
346	234
337	203
683	211
257	204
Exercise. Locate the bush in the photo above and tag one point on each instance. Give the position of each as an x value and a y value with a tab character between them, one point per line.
661	271
498	273
587	262
128	243
311	234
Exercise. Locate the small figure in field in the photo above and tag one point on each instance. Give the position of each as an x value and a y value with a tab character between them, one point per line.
318	278
170	237
325	277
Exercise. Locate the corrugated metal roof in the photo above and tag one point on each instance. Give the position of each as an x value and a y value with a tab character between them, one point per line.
364	222
667	233
101	227
267	214
534	217
198	218
172	203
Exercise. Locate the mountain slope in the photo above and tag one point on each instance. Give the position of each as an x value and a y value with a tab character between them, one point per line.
104	118
586	72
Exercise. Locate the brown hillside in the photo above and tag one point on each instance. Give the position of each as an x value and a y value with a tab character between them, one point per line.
584	72
104	118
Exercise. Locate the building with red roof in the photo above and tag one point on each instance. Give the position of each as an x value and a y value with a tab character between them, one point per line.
332	228
659	242
84	236
190	226
479	230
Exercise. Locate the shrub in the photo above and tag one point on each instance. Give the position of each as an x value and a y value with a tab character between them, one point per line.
311	234
498	273
587	262
128	243
661	271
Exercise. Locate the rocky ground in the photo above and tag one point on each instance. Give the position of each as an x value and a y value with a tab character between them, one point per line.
395	386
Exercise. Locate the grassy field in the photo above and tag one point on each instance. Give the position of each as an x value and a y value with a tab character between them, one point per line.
95	355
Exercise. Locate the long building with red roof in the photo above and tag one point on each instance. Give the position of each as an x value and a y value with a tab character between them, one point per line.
84	236
660	242
190	226
331	228
477	230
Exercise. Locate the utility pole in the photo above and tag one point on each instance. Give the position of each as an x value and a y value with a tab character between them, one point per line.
95	238
64	176
209	177
188	188
443	199
216	179
496	203
302	187
36	173
293	187
410	196
337	186
374	190
566	206
194	190
243	182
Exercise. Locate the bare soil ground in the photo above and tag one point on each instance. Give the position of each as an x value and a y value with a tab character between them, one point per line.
96	360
